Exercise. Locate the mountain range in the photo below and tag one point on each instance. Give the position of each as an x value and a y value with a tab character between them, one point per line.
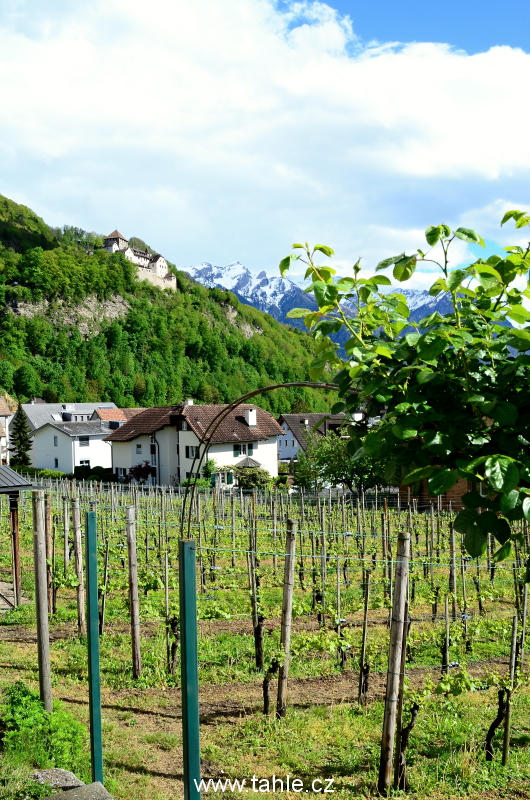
276	295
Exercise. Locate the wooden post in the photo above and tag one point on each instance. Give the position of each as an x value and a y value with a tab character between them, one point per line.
361	697
399	714
78	555
445	666
15	548
394	661
133	593
49	547
507	719
287	614
452	567
523	625
66	525
41	600
104	590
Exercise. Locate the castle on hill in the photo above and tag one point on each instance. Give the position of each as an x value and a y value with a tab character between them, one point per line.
151	266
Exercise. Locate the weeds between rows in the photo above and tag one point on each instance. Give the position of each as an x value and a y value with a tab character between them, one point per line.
355	540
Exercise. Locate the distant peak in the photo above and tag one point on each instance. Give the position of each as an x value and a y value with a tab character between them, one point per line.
262	275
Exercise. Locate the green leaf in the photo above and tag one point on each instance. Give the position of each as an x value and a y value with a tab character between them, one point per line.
488	522
387	262
324	249
432	234
502	553
417	475
455	279
509	501
345	284
472	499
381	280
438	286
297	313
464	520
505	413
431	346
468	235
297	246
475	542
526	508
502	473
338	408
446	230
442	480
412	338
404	431
405	268
325	293
383	351
503	532
285	264
510	215
372	443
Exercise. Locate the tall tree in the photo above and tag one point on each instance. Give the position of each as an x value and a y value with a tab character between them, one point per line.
21	439
452	390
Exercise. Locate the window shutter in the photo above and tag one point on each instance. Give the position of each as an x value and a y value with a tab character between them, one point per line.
187	451
236	450
229	477
250	449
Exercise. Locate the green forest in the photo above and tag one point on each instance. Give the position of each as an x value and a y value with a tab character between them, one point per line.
167	346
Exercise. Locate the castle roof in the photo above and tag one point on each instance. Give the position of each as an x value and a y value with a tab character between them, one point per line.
116	235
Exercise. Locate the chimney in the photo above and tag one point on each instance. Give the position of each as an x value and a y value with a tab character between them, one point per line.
188	402
250	417
305	422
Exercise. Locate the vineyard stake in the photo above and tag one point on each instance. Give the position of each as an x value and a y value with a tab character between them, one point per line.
48	528
15	545
78	555
508	717
523	627
66	522
133	593
41	600
189	670
361	697
394	660
287	615
94	684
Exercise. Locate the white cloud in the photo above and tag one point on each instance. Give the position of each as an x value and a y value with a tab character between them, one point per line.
224	131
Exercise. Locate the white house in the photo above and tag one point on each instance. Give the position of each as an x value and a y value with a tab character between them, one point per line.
169	438
6	415
151	266
41	414
295	428
66	445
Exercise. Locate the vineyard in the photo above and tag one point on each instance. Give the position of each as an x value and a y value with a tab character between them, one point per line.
461	697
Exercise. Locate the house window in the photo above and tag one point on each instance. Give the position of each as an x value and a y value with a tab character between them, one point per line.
244	449
120	472
184	425
223	477
191	451
56	463
138	448
56	441
84	441
85	463
292	443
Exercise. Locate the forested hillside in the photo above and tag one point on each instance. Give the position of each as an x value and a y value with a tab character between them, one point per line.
77	325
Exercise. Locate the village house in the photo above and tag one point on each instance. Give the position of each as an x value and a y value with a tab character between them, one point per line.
114	417
74	442
151	266
169	438
66	445
6	415
295	429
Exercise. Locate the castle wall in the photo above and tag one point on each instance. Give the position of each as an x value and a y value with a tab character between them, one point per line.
156	280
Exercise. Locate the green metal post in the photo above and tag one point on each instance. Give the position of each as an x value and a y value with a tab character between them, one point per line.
94	685
189	670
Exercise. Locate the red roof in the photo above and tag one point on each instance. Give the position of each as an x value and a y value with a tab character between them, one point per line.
116	235
233	428
117	414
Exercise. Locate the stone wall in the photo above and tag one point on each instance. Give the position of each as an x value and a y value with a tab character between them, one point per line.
156	280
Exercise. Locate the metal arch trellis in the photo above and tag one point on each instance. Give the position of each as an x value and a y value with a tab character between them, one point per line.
214	424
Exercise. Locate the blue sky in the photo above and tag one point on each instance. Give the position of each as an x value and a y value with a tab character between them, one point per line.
471	25
226	131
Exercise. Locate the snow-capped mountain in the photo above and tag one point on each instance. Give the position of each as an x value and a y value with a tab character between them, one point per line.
276	295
